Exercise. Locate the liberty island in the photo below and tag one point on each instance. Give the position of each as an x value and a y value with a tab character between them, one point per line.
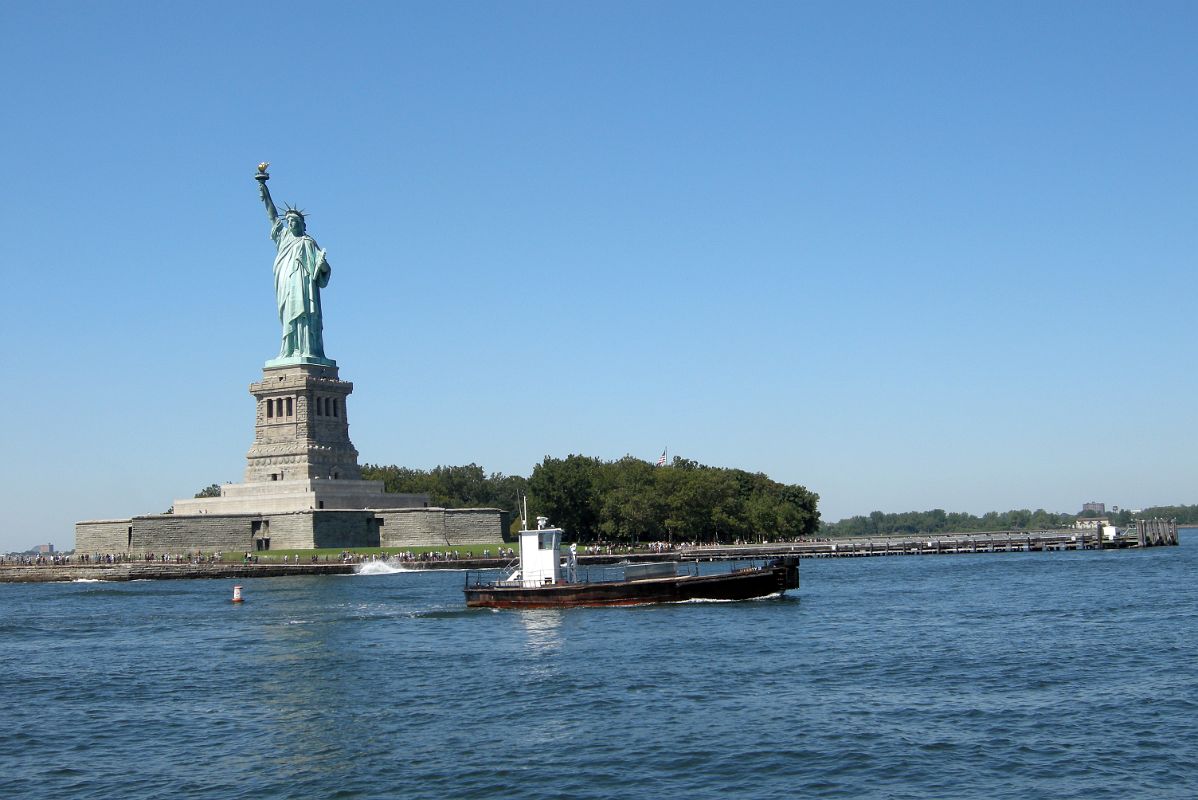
303	486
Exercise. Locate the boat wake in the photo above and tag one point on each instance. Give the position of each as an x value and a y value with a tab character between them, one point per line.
773	596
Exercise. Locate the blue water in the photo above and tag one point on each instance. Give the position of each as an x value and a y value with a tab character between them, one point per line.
1062	675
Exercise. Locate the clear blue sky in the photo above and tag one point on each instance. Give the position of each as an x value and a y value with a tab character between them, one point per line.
910	255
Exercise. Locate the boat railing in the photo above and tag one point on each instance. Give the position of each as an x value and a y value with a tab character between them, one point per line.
614	573
595	573
604	573
475	577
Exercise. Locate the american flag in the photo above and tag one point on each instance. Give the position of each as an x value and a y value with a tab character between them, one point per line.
661	462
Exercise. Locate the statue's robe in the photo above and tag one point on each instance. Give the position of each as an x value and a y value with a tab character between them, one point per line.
300	274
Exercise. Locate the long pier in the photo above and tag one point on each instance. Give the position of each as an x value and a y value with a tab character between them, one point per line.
1147	533
1010	542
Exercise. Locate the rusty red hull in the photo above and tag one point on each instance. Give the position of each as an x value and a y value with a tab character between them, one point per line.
739	585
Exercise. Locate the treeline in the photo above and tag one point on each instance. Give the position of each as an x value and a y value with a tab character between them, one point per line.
631	500
939	521
628	500
1183	515
452	487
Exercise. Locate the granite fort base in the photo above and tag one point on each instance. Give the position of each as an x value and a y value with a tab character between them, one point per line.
303	489
296	530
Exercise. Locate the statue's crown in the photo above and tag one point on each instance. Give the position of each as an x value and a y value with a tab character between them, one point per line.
297	212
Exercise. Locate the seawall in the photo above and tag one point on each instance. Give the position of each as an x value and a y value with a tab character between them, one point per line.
158	571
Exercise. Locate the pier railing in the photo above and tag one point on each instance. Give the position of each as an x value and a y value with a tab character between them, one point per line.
1006	542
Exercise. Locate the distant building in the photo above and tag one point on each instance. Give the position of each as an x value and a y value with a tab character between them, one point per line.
1091	523
1097	507
43	549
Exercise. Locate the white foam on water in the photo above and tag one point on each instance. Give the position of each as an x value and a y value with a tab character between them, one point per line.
88	580
773	596
380	568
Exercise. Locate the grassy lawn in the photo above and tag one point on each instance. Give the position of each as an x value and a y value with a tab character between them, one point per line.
333	554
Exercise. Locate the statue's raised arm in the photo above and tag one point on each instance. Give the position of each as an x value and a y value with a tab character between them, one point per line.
262	177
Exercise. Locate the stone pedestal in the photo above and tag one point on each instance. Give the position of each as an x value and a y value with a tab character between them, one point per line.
302	458
302	426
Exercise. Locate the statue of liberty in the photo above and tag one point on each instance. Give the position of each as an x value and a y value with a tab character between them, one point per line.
301	271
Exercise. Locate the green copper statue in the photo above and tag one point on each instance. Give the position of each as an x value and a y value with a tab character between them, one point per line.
301	271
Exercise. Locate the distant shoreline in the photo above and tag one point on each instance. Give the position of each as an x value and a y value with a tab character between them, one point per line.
883	546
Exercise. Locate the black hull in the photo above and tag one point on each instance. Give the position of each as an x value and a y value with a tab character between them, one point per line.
739	585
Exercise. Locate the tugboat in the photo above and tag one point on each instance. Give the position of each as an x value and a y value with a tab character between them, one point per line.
540	580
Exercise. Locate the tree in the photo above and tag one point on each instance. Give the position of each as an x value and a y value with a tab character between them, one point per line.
452	487
565	491
209	491
631	508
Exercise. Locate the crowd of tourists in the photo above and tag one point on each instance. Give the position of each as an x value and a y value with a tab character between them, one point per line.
90	559
452	555
24	560
345	557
